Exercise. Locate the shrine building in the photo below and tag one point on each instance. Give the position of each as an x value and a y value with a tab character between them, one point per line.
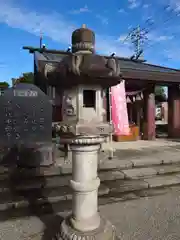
140	81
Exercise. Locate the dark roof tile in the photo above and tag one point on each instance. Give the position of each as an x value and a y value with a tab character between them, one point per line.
125	63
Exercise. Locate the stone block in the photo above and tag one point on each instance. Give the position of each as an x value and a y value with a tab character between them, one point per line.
103	190
115	164
171	158
112	175
30	173
51	171
167	169
129	196
137	173
143	162
177	175
162	181
66	169
41	183
57	181
126	185
153	192
59	161
3	170
175	188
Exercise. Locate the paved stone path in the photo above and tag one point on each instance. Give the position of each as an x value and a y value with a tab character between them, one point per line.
151	218
139	145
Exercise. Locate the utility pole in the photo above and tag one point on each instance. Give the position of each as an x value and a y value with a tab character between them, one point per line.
137	37
40	40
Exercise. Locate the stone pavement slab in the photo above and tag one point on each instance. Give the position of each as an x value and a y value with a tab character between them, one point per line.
140	144
115	164
137	173
162	181
110	176
164	169
146	161
169	158
126	185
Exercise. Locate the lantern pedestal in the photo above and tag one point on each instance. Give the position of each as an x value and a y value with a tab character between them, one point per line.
85	221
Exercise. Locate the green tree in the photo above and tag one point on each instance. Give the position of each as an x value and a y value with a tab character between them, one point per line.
24	78
160	92
28	77
4	85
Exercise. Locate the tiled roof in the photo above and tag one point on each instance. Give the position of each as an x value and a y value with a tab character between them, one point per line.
129	64
131	69
125	63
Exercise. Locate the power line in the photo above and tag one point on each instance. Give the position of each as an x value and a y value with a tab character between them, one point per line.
137	37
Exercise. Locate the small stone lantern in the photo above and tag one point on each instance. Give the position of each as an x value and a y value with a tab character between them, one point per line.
83	77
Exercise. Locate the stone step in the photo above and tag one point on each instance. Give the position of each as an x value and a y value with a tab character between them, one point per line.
167	169
167	158
40	196
53	178
138	173
20	187
117	190
122	186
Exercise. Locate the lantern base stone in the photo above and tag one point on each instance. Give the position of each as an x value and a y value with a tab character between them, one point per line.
106	231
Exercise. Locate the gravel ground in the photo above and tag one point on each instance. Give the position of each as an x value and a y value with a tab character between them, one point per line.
155	218
152	218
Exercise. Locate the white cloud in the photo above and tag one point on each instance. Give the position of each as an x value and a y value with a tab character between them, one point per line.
103	20
154	37
84	9
173	54
133	4
121	10
122	37
146	5
54	26
130	27
108	45
174	5
164	38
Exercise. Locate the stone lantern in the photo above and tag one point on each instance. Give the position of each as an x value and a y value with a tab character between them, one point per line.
83	77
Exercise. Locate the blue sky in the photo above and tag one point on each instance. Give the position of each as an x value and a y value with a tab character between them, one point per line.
21	22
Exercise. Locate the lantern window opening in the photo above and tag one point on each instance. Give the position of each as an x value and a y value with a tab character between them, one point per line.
89	99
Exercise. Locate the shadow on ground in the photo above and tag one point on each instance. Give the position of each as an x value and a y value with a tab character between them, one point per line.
48	212
44	211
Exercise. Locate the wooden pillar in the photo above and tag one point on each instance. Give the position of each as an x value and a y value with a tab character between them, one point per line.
173	111
138	116
149	127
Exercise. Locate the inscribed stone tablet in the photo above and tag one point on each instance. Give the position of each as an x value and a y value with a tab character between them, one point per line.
26	116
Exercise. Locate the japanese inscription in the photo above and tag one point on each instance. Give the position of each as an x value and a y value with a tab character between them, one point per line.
26	116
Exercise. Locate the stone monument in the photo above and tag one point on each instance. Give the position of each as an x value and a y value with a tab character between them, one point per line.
84	77
25	123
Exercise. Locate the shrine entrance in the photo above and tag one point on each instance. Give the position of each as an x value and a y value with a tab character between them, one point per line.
152	118
140	81
142	108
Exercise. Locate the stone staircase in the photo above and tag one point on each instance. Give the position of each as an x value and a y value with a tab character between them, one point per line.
145	173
